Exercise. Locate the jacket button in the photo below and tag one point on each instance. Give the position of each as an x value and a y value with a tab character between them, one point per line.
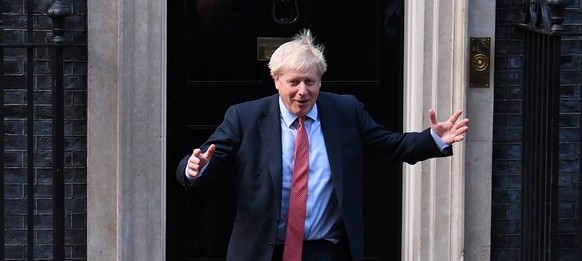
277	220
271	245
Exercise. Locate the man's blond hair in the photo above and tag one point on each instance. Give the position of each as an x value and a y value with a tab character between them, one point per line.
298	55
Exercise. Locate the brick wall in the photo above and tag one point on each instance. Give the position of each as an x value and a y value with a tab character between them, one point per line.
15	135
570	129
506	209
506	184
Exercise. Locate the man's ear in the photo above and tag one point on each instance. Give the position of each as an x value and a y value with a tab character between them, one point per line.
275	79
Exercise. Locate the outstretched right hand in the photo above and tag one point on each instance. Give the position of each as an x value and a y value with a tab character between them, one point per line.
198	160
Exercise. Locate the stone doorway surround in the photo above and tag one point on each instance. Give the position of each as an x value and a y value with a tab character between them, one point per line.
126	133
447	202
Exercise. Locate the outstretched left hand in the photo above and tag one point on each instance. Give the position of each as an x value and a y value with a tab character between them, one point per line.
450	131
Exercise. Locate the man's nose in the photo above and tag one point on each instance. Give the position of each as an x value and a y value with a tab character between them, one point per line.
302	88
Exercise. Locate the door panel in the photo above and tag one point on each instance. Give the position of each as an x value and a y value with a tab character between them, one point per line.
212	64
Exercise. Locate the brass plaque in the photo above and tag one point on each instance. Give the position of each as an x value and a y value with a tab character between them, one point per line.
266	46
480	62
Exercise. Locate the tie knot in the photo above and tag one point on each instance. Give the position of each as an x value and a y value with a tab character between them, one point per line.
301	120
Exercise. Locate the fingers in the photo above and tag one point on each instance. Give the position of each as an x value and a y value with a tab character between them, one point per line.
459	138
463	123
194	163
198	160
460	127
209	152
432	116
458	131
196	153
456	116
450	131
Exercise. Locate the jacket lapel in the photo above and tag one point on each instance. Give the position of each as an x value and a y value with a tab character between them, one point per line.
332	131
270	131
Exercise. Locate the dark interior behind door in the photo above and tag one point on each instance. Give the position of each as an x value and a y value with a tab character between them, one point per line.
212	64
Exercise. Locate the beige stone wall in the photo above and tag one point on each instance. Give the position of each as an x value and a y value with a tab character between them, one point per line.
126	123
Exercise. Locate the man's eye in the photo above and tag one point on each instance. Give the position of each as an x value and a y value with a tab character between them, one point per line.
293	83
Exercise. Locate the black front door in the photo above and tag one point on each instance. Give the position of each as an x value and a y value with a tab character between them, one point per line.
214	61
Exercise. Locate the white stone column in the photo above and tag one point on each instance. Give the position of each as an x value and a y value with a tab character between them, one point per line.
126	125
479	144
435	77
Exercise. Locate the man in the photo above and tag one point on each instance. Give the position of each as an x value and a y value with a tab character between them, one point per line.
322	220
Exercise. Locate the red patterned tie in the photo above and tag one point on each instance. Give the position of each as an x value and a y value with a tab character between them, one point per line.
297	197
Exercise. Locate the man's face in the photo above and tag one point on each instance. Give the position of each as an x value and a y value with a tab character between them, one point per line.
299	89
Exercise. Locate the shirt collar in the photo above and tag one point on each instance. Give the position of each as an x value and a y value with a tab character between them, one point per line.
289	118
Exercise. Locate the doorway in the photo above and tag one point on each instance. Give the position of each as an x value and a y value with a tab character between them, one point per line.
213	63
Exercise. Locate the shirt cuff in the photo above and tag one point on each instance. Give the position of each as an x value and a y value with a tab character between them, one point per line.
439	142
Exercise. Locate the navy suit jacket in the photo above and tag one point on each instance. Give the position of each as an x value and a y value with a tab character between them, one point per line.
248	143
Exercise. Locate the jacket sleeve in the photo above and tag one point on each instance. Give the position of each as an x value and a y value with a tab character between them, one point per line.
409	147
225	138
